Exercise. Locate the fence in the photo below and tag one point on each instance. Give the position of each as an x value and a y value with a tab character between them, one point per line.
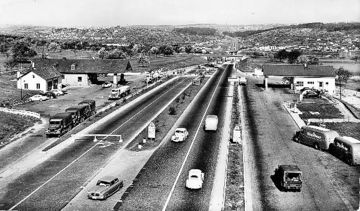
20	112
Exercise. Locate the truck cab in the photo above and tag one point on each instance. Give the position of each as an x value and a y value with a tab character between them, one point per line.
211	123
289	177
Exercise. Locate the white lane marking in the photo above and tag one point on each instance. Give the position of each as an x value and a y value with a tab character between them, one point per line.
192	143
70	164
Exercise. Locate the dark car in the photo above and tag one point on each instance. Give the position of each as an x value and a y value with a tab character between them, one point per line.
288	177
50	95
105	187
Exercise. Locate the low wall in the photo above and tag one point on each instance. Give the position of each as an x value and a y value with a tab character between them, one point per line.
20	112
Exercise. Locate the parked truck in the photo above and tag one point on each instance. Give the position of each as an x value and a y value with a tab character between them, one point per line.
79	112
59	124
119	92
92	105
211	123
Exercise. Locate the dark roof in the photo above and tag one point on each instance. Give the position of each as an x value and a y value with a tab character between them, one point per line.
45	73
85	65
299	70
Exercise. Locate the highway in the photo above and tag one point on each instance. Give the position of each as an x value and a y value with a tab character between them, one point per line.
328	183
161	183
53	183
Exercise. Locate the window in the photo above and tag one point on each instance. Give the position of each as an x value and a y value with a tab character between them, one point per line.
299	83
37	86
327	83
79	79
73	67
320	84
310	82
33	76
26	86
62	76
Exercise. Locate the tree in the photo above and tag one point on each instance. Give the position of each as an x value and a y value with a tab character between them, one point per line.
21	50
166	50
342	76
102	53
116	54
188	49
53	46
280	55
293	55
154	50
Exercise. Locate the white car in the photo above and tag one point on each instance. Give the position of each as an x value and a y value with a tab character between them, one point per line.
57	92
195	179
180	135
106	84
38	98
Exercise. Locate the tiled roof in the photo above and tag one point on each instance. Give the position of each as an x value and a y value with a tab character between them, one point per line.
45	73
85	65
299	70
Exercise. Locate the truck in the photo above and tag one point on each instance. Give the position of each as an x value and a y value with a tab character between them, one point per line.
59	124
211	123
288	177
119	92
91	103
79	112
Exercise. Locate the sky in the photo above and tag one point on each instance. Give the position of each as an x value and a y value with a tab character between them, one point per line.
103	13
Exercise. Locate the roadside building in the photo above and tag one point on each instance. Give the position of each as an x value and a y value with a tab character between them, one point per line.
304	76
41	79
84	72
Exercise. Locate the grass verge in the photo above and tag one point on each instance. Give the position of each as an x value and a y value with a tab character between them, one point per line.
318	108
14	124
234	194
346	129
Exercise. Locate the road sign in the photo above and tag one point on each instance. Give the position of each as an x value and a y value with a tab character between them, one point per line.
151	130
233	79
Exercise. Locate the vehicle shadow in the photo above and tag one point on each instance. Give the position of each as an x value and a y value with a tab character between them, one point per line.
276	182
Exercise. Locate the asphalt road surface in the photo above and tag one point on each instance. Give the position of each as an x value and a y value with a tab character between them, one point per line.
55	182
158	186
328	183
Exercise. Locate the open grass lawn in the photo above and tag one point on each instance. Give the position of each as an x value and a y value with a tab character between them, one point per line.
11	124
325	109
346	129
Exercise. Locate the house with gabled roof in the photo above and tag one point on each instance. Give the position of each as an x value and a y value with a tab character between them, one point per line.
304	76
83	72
41	79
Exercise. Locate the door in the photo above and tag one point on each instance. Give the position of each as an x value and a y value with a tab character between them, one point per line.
321	84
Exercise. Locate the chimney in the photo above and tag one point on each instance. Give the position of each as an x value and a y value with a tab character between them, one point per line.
32	64
305	65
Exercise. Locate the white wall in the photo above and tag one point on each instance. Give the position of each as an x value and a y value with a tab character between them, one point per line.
328	83
32	79
72	79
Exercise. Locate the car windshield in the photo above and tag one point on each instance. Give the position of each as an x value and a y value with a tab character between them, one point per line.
179	131
293	176
55	122
194	176
102	183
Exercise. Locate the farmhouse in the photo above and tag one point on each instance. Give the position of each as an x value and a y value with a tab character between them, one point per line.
304	76
39	79
83	72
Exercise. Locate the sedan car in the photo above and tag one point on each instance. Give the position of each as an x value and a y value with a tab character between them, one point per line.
105	187
180	135
195	179
38	98
57	92
106	84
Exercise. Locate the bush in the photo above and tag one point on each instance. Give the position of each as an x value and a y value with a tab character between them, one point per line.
172	110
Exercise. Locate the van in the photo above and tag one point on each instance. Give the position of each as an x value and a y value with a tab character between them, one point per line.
318	137
211	123
347	149
288	177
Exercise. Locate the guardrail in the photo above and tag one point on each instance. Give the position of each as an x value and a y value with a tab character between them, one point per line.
20	112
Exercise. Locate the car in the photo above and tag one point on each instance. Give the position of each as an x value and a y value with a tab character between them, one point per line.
105	187
38	98
288	177
106	84
57	92
195	179
50	95
180	135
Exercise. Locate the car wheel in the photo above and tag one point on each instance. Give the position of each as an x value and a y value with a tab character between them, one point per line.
316	146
